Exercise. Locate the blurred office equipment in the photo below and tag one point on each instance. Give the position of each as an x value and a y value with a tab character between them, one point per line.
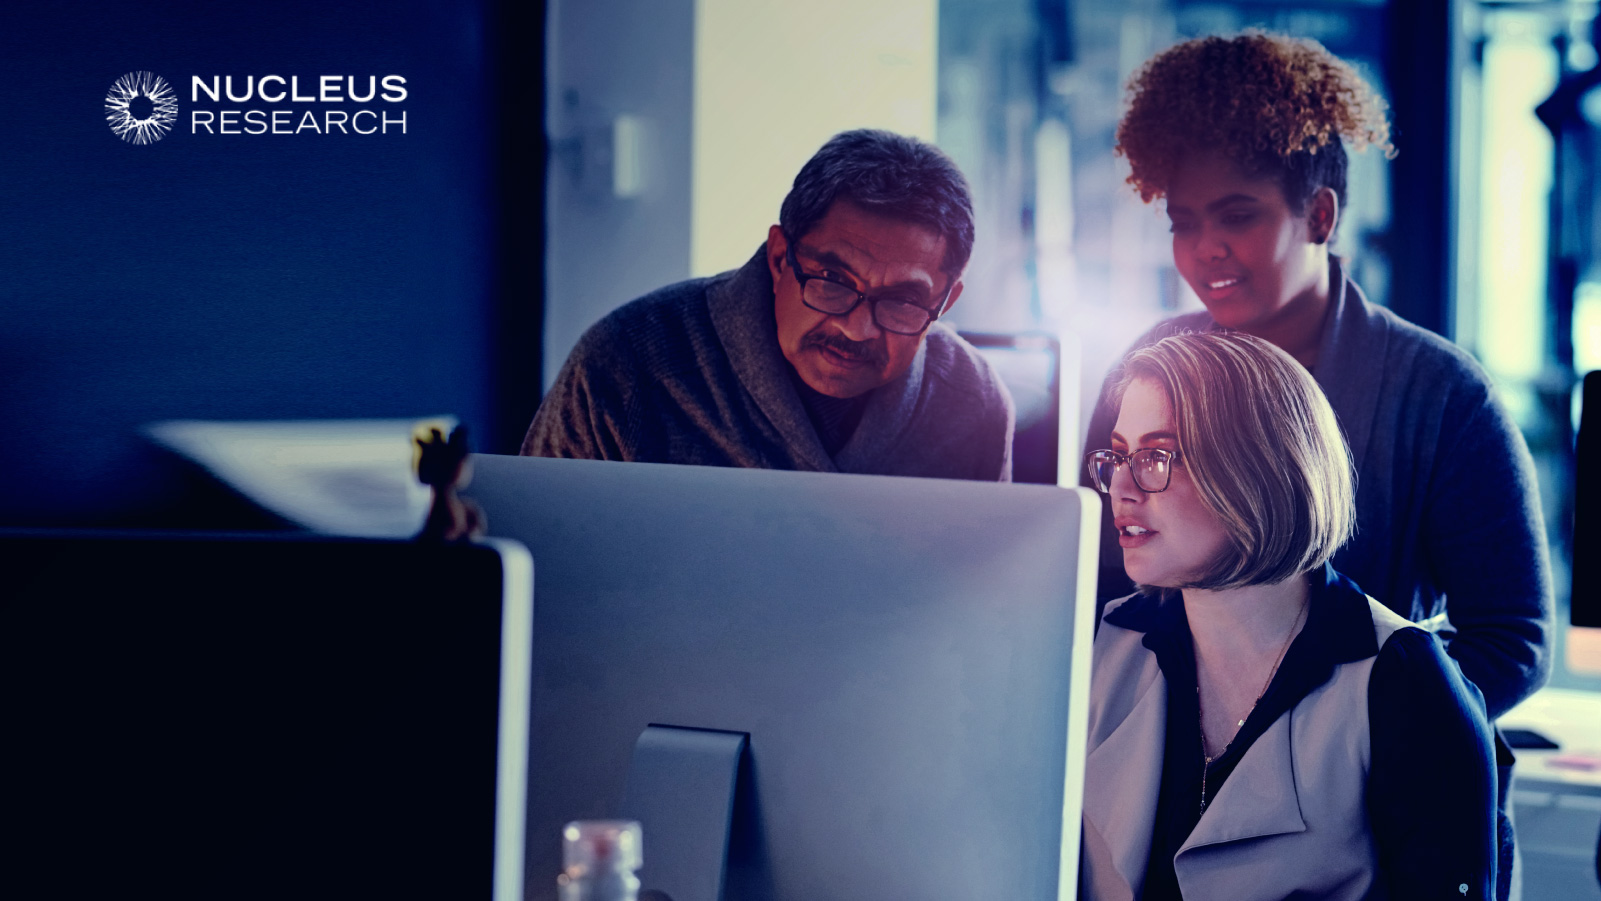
907	658
1557	792
1586	599
1031	366
600	857
262	717
350	477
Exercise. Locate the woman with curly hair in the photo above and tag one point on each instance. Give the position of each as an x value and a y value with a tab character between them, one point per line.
1255	720
1244	138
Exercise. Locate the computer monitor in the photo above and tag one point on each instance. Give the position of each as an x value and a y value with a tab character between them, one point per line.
1030	365
909	658
192	717
1586	593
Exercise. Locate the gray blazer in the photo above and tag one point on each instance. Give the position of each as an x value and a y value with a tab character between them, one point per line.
1291	818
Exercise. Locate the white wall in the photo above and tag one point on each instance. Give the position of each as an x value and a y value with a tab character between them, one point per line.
729	98
774	79
611	59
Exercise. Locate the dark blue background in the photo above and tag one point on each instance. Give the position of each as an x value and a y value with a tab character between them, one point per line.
237	277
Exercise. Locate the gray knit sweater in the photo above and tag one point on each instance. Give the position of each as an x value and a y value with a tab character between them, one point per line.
692	373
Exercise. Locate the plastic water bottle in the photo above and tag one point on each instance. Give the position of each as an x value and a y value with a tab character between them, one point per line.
599	858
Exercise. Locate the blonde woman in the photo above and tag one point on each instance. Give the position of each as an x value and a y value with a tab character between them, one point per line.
1257	723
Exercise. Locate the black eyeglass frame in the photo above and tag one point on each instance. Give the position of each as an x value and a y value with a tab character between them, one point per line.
802	278
1117	459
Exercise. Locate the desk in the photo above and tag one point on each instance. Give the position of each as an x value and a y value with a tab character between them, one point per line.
1556	794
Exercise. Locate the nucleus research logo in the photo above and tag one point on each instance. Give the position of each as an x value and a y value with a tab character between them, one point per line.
141	107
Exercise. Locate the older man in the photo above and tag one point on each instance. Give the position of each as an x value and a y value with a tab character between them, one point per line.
822	353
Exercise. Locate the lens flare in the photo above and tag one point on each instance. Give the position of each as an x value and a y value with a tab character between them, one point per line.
163	108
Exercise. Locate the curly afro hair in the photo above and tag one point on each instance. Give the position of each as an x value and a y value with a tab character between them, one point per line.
1279	105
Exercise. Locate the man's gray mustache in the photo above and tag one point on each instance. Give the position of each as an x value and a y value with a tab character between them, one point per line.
856	350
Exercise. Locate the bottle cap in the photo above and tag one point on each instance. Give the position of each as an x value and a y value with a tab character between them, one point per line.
598	845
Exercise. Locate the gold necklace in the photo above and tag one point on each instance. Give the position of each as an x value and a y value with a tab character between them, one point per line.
1200	717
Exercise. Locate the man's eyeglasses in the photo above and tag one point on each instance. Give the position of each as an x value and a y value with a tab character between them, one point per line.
891	312
1151	467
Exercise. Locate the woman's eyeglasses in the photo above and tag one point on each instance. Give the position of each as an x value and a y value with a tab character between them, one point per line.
1151	467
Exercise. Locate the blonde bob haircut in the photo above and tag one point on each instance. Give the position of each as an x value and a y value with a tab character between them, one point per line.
1260	442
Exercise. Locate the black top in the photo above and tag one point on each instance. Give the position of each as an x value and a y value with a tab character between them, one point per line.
835	418
1423	718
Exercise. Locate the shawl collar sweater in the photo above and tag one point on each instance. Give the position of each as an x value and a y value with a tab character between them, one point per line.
692	373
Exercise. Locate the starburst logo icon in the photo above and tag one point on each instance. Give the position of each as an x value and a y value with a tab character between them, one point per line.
141	107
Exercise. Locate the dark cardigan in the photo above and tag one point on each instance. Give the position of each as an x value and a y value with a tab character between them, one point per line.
1448	513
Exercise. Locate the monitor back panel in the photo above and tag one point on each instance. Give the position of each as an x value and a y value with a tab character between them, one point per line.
909	657
195	717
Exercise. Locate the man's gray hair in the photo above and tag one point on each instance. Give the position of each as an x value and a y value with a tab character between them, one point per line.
890	175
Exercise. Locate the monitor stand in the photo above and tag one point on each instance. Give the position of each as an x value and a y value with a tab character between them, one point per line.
681	790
